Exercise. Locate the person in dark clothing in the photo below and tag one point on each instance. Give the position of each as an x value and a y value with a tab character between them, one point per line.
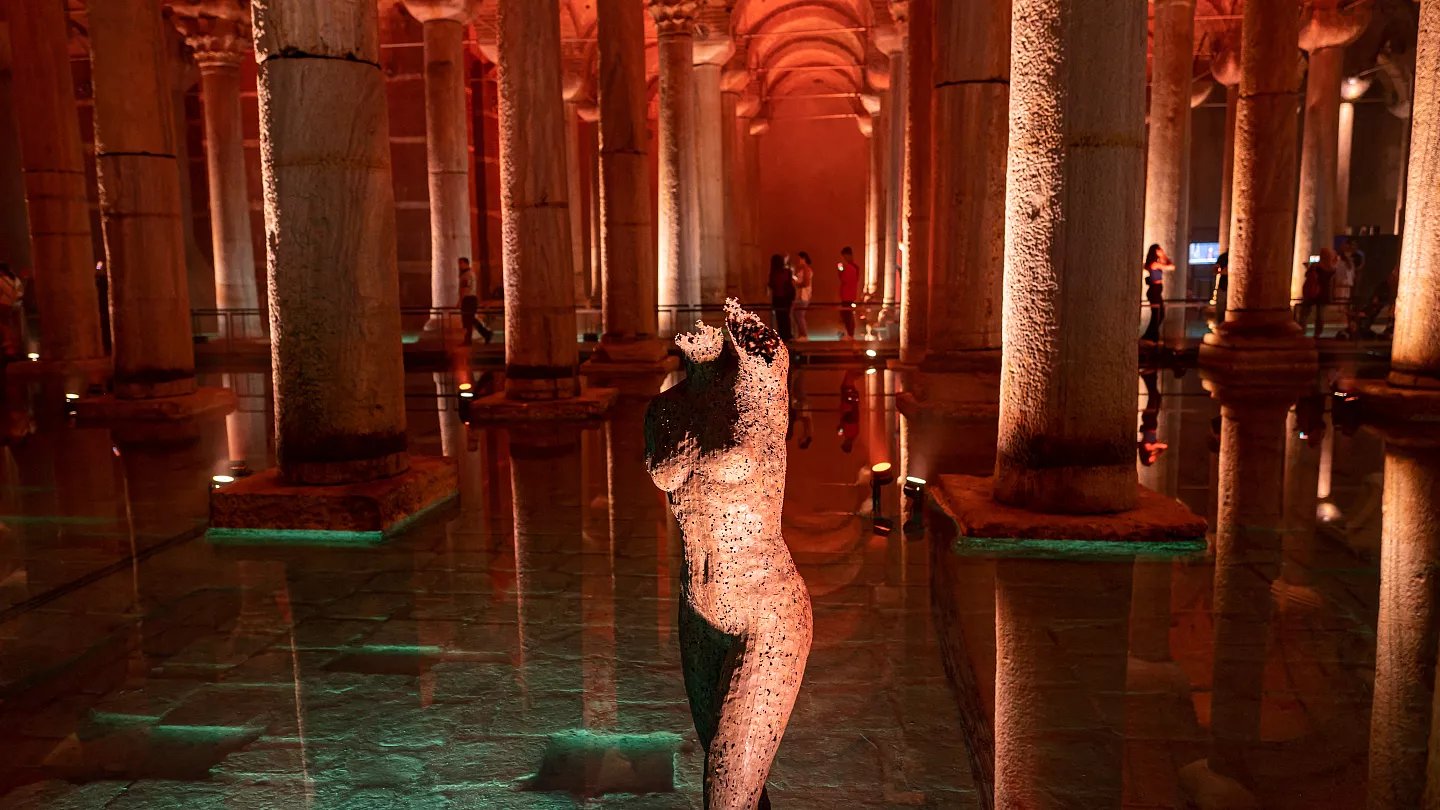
1315	294
1221	299
470	304
782	295
1157	264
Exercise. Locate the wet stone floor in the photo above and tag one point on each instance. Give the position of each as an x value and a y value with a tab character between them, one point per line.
518	649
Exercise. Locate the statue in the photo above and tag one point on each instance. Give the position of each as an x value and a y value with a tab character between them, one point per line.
715	443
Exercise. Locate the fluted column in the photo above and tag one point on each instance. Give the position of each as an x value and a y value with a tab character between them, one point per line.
627	244
1166	181
54	167
1258	327
540	346
971	106
447	142
679	275
139	180
218	31
919	16
892	43
1077	118
711	52
330	228
1324	36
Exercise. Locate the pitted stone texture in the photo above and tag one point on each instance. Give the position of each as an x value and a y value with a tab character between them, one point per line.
969	501
715	444
1167	160
263	501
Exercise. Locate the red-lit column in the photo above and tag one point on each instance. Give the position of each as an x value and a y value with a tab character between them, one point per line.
540	339
1169	140
1077	117
971	108
710	54
219	33
1258	332
330	227
14	223
54	167
139	178
1324	36
919	87
628	301
679	275
1404	411
1226	70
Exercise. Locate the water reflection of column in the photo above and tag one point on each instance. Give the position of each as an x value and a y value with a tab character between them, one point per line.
545	465
597	587
876	441
1247	560
1295	586
639	531
1060	682
1409	626
452	430
246	427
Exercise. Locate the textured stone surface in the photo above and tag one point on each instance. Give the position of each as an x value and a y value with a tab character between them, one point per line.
715	444
968	500
1074	200
1416	352
262	501
1167	148
677	224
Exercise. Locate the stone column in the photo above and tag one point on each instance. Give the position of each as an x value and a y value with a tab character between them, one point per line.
628	298
1166	183
876	127
1077	123
919	16
218	31
1404	411
679	277
330	227
1226	70
1259	331
732	84
139	180
711	51
14	222
576	96
1324	37
447	144
971	96
892	42
1350	90
54	166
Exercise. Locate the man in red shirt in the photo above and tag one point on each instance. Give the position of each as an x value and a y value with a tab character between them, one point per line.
849	289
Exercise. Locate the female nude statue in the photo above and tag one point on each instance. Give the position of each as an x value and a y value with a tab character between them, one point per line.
715	443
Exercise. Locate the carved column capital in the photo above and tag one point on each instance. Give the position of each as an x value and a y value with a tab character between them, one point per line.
218	31
1332	24
575	73
673	16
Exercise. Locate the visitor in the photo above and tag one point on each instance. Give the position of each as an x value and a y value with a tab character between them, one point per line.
804	277
1350	261
470	305
12	293
1157	264
849	290
1315	293
1220	300
782	295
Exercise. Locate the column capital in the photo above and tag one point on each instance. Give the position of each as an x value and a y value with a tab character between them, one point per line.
713	43
1225	67
877	70
218	31
461	11
734	80
575	73
1333	24
866	125
888	39
673	17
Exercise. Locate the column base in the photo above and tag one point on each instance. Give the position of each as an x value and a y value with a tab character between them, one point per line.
262	509
1156	521
591	403
1409	416
637	375
1263	354
197	404
1208	790
90	370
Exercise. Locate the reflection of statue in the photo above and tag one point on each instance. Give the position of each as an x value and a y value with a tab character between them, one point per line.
715	443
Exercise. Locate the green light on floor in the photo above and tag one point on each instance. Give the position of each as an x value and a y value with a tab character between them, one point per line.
292	537
1031	548
409	339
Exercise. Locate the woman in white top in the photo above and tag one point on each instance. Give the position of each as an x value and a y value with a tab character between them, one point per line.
804	276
